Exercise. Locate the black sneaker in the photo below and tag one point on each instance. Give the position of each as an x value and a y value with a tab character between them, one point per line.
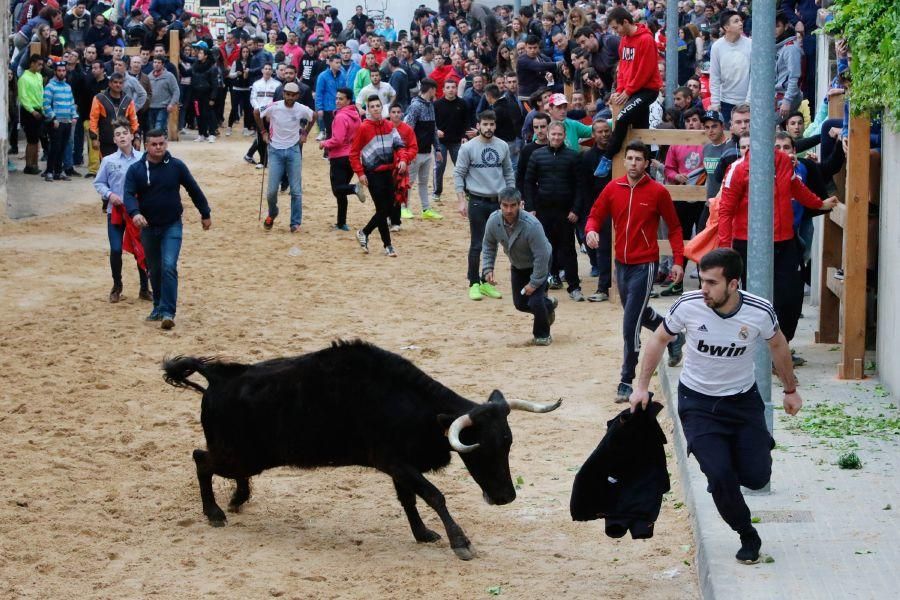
554	283
750	545
71	172
675	350
623	393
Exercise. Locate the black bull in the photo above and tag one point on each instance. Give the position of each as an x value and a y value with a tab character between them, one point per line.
350	404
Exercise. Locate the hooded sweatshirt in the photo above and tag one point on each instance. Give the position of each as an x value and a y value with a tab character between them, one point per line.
637	63
343	130
788	69
153	190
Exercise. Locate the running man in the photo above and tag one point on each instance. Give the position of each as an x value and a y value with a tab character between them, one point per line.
483	170
636	203
719	405
153	202
289	124
343	130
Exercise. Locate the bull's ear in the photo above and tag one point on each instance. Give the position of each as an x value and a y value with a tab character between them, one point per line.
445	420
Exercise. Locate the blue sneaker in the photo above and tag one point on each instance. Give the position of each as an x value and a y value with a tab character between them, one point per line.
154	315
595	271
343	227
604	167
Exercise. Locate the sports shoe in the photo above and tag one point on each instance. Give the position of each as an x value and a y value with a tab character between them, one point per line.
200	138
48	177
145	294
260	166
654	294
436	198
796	359
249	159
604	167
490	291
430	214
405	213
750	545
154	316
389	251
267	224
228	132
675	350
62	177
11	166
395	228
554	283
168	322
246	132
598	297
475	292
71	172
674	289
576	295
321	136
115	294
543	341
343	227
623	392
363	240
360	191
211	139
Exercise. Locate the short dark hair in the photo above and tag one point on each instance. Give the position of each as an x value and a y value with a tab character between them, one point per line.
542	116
639	146
35	58
347	92
373	98
154	133
784	135
532	40
692	112
619	14
510	193
684	91
117	77
427	84
492	90
727	258
487	115
782	18
585	31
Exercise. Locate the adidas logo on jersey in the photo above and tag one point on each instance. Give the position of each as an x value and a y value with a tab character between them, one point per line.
703	328
713	350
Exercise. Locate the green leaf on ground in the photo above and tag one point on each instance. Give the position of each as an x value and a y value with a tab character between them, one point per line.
755	520
768	559
850	460
495	590
678	505
520	480
887	507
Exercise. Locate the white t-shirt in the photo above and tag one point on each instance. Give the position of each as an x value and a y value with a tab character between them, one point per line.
719	349
285	123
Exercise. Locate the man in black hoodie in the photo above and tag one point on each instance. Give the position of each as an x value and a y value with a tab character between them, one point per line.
152	200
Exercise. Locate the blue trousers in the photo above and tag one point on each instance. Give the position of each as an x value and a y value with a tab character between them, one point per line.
728	437
635	283
158	118
162	244
281	162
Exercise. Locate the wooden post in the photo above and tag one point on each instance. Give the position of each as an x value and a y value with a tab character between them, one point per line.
856	246
174	55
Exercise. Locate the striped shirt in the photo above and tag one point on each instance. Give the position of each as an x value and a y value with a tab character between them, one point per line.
59	103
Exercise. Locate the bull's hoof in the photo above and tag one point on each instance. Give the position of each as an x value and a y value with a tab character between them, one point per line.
234	508
427	536
217	523
216	517
464	552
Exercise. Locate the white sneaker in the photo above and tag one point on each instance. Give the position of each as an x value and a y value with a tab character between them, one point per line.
211	139
395	228
259	166
199	138
245	132
321	136
183	131
228	132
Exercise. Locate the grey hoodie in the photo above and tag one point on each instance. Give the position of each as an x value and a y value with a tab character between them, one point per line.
164	89
527	247
788	67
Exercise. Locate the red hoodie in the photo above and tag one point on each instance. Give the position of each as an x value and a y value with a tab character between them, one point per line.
734	203
638	68
635	215
343	130
378	146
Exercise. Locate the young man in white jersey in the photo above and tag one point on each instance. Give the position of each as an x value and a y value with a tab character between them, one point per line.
719	404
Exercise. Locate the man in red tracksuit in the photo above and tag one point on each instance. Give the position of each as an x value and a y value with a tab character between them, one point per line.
733	219
636	203
375	149
637	82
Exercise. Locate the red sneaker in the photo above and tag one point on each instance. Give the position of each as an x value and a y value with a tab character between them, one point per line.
267	224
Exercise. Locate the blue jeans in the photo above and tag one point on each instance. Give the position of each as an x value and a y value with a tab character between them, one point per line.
280	162
635	281
159	118
162	245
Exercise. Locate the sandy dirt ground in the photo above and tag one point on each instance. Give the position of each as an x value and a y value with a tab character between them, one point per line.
100	496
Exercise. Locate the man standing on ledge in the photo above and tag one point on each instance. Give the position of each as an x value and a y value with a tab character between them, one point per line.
719	405
636	203
153	202
528	249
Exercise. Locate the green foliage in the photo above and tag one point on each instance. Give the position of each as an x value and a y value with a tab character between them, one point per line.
872	28
850	460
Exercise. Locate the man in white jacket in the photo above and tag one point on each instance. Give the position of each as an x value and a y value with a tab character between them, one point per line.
729	66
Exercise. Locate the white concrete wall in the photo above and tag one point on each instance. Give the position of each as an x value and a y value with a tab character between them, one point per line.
888	333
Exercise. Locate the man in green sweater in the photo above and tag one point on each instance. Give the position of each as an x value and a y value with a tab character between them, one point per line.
557	106
31	99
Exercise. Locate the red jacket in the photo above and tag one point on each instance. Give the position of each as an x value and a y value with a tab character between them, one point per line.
378	146
635	214
228	58
638	68
734	203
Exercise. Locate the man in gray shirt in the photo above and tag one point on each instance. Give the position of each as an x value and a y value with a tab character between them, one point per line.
483	169
164	95
528	249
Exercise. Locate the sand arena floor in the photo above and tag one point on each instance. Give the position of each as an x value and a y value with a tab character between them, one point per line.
100	495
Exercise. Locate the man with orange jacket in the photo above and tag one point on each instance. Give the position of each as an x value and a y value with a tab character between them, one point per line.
733	226
106	108
636	203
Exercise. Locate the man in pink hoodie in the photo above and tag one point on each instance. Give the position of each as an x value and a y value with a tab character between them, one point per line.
343	129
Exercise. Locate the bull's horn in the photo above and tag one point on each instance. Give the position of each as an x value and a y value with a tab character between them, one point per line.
515	404
453	434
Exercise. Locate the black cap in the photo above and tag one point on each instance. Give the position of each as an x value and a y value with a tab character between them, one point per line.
711	115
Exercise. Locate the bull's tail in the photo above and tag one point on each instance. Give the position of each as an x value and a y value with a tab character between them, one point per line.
178	369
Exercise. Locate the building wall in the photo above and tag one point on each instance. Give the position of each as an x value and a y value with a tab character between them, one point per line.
888	332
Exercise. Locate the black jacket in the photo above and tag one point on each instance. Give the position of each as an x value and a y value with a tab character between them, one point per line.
551	180
625	478
591	185
524	156
204	78
506	124
452	118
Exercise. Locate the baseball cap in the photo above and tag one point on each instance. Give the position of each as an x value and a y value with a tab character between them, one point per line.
292	87
201	44
711	115
558	100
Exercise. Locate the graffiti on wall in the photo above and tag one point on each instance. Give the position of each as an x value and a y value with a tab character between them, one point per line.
286	13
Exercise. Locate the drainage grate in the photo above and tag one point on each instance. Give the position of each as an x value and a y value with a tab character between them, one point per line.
784	516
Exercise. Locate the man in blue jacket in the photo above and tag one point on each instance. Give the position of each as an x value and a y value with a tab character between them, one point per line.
153	201
327	86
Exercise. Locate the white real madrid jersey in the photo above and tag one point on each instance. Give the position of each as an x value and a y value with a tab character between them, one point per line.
718	351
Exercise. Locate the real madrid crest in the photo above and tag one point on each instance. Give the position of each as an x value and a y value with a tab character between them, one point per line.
743	333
